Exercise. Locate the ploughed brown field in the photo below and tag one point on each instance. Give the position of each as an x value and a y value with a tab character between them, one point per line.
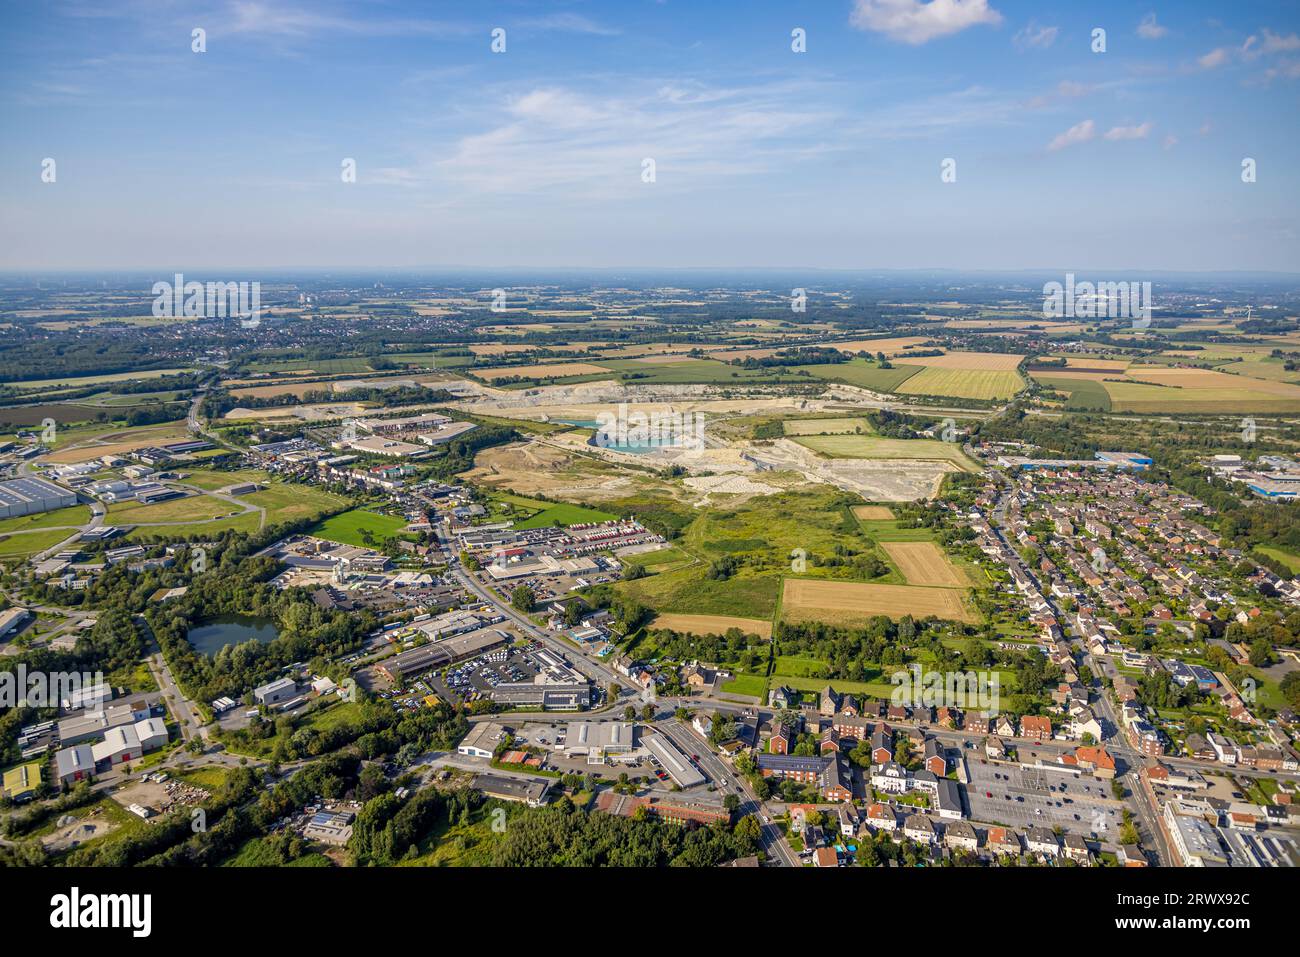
852	603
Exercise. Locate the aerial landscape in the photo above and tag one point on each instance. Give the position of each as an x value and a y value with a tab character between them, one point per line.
494	489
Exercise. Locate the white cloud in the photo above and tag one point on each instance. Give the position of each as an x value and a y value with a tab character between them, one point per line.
1148	29
1128	132
1032	36
919	21
1215	58
1276	43
563	142
1079	133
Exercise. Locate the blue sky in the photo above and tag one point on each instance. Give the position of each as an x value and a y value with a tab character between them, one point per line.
1065	158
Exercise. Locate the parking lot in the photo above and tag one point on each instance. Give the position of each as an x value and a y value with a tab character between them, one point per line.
1017	797
474	679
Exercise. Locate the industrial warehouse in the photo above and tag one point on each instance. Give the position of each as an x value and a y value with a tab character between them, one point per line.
27	496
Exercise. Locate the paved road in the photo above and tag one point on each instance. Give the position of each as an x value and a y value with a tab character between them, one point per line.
773	841
597	672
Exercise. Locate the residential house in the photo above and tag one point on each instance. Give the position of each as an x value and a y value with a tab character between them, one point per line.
959	835
919	828
1036	727
936	760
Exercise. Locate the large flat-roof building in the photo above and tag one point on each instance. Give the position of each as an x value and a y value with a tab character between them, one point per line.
437	654
598	738
673	760
27	496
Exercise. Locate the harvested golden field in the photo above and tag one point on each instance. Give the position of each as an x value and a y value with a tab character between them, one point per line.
713	624
962	383
890	347
1084	362
980	361
120	443
924	563
854	603
544	371
509	348
873	513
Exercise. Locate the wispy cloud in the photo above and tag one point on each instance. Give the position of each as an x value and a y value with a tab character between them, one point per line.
1139	132
569	23
920	21
1079	133
260	18
1035	37
1148	29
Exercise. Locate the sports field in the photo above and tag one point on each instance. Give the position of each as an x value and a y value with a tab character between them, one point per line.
962	383
875	447
924	563
713	624
854	603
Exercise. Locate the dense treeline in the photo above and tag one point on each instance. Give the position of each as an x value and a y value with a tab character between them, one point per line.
560	835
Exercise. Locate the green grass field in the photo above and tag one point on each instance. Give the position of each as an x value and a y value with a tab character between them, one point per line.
538	514
25	545
1083	393
193	508
346	527
763	536
875	447
73	515
211	481
1289	559
201	531
290	503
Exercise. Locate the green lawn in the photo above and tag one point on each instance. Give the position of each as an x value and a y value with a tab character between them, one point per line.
753	685
1290	559
346	527
26	545
291	503
73	515
541	514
